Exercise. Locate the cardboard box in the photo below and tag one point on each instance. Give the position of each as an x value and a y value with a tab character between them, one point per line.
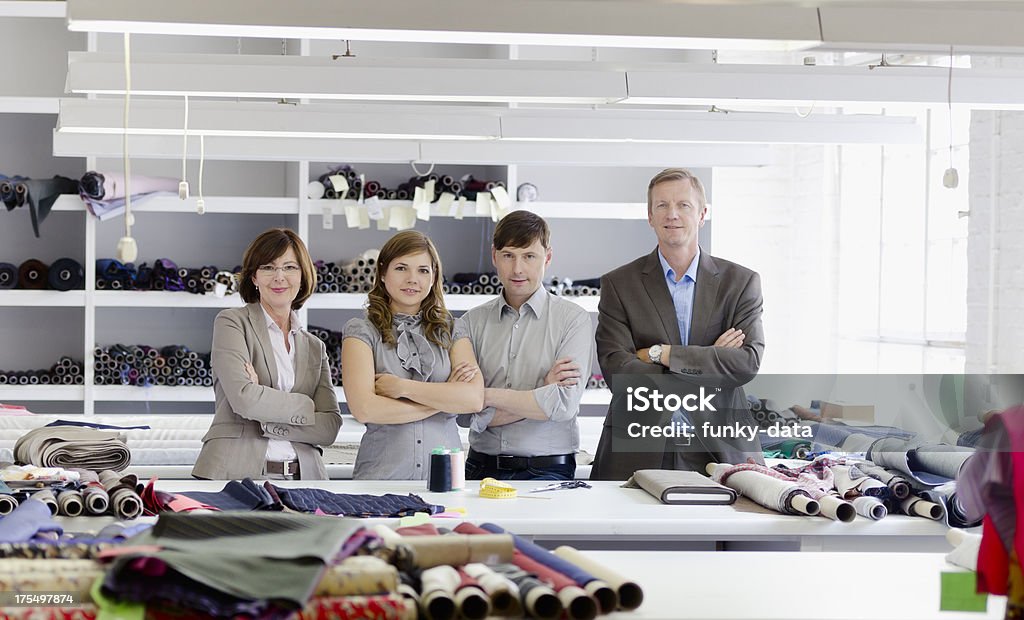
841	410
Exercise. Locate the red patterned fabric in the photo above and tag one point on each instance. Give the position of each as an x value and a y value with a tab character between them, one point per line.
381	607
87	612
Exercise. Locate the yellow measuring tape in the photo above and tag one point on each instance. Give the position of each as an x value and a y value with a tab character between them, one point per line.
495	489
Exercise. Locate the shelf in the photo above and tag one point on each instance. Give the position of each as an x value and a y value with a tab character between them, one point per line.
355	301
23	298
161	393
28	105
290	206
214	205
163	299
548	210
41	392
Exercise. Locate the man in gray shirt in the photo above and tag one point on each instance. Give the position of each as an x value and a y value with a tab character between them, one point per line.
533	349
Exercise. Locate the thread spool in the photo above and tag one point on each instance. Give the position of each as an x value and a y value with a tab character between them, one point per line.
458	469
439	476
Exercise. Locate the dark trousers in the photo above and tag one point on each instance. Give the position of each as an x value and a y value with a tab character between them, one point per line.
476	470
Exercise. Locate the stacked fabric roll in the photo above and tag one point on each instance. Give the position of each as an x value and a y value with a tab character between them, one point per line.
566	287
351	276
346	182
66	371
143	365
471	283
104	192
597	382
333	341
38	195
64	274
165	275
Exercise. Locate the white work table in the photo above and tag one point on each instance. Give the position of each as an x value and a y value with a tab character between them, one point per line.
786	585
608	516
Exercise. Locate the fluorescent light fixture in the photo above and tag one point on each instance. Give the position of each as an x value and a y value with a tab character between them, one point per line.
773	85
426	122
384	79
675	126
403	151
599	154
612	23
238	148
274	120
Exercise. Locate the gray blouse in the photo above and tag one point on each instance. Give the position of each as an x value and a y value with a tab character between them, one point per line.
402	451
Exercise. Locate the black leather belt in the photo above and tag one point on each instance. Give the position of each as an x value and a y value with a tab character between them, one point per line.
518	463
283	468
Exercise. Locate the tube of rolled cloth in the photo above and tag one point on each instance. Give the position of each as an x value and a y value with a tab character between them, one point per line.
606	597
630	593
503	592
537	598
358	575
437	592
70	503
473	604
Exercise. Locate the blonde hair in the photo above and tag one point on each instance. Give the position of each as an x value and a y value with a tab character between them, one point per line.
676	174
437	321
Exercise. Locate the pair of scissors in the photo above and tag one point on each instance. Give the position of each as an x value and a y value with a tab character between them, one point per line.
556	486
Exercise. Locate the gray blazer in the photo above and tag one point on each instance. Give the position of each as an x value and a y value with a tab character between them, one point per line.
636	312
308	416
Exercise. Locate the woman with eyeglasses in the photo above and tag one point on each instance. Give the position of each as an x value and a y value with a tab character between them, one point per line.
408	366
275	404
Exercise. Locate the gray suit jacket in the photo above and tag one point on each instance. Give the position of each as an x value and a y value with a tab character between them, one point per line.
636	312
308	416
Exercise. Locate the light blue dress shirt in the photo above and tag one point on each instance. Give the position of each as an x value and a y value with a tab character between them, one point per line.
682	294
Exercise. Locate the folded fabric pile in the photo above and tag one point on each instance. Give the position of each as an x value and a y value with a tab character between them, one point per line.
247	495
73	447
104	192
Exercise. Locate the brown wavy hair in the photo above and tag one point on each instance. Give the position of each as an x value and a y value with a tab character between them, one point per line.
437	321
265	249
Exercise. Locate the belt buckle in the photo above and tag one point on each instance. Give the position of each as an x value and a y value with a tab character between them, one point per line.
286	466
506	462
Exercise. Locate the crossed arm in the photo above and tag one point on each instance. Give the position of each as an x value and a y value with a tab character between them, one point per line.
387	399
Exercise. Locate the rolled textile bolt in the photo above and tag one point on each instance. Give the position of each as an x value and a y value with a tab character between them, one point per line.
473	604
915	506
870	507
836	509
70	503
46	496
453	549
358	575
805	505
7	504
504	594
630	594
537	598
437	589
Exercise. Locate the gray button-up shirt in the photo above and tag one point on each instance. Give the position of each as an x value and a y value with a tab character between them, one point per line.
515	350
402	451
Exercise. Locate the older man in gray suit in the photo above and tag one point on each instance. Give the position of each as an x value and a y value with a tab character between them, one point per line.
679	312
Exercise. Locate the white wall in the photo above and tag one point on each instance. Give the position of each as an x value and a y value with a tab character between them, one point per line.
995	285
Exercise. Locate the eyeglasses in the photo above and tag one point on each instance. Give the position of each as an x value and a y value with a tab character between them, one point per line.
269	270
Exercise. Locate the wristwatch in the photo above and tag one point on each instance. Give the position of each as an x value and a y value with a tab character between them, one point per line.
655	353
